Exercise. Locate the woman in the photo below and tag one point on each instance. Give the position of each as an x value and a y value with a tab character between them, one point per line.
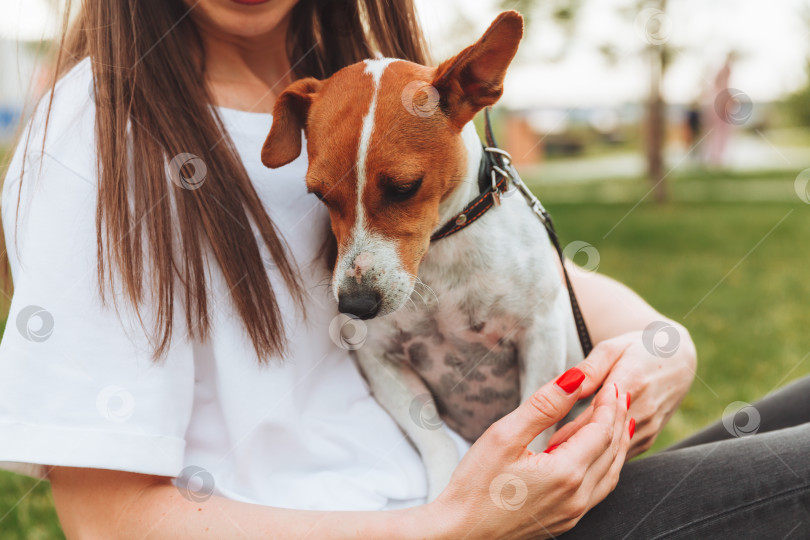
170	319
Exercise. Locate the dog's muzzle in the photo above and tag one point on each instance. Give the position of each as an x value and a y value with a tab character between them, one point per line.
368	280
359	300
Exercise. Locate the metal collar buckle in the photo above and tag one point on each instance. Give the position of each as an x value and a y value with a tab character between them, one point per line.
497	171
513	178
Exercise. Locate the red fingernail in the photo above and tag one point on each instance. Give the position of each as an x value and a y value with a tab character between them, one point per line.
628	400
632	427
571	380
617	389
550	448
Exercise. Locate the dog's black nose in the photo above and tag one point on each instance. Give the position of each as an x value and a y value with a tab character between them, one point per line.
362	304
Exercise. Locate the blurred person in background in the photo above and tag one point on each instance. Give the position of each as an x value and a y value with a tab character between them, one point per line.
720	107
692	128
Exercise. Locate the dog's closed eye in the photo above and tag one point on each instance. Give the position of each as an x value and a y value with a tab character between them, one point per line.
398	192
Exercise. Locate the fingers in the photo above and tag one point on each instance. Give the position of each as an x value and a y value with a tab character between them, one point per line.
599	363
605	445
542	410
645	435
584	448
595	454
607	483
565	432
609	456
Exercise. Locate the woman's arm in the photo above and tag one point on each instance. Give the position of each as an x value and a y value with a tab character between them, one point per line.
96	503
500	489
612	309
650	355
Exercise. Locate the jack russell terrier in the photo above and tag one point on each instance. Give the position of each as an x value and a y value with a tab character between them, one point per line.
393	165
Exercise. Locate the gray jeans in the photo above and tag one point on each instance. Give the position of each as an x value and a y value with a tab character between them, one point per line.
717	485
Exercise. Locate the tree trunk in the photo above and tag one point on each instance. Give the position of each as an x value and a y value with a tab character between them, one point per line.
656	128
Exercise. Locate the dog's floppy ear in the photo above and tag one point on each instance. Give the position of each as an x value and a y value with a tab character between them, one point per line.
283	143
473	79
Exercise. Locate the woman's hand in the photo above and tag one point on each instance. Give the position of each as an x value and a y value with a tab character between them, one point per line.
640	350
501	489
656	366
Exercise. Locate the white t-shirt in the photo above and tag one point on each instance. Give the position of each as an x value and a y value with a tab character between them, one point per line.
78	386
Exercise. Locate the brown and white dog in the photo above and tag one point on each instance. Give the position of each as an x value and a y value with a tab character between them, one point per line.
493	322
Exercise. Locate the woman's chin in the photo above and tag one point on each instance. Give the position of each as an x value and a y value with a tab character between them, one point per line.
241	18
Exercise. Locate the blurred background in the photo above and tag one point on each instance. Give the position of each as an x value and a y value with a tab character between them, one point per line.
670	139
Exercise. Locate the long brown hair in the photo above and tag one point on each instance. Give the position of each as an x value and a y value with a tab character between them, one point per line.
151	106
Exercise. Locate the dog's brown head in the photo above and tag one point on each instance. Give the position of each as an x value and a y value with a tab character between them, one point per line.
385	149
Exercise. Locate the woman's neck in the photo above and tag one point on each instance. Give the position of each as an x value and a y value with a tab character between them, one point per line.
246	73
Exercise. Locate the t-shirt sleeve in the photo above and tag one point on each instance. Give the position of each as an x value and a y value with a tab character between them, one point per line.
78	384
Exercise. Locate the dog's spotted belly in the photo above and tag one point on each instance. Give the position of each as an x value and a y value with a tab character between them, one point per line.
473	374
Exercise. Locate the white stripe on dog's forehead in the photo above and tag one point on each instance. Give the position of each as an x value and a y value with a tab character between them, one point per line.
374	67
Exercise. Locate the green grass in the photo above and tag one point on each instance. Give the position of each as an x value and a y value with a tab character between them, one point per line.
26	509
750	329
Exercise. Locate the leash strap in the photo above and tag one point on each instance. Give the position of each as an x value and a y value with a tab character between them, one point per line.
579	321
494	176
